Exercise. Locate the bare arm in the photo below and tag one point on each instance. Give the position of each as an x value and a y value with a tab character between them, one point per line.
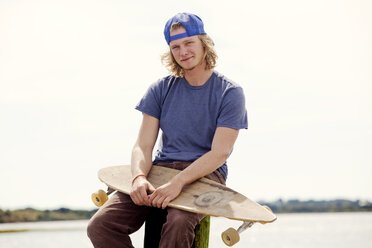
223	142
141	160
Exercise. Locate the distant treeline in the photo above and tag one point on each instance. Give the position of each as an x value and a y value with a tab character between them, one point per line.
297	206
30	215
278	206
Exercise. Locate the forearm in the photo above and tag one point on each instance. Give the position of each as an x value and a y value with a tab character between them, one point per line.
141	161
140	167
222	145
201	167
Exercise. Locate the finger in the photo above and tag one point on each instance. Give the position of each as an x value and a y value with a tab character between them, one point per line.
135	199
151	188
140	199
160	202
149	195
165	202
154	200
143	196
153	196
137	196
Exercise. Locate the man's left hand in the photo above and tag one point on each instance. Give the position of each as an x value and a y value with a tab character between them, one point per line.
161	197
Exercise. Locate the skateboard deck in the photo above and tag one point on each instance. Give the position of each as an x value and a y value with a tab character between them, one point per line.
203	196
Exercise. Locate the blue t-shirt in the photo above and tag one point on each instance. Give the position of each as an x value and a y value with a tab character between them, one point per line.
189	115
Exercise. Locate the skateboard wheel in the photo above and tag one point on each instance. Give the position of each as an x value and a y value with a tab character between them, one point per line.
99	198
230	237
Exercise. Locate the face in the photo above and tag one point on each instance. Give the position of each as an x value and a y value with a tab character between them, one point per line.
188	52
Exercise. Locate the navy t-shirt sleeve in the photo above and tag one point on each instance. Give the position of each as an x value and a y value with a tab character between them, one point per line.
233	113
151	103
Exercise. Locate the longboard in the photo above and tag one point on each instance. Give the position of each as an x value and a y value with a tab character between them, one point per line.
203	196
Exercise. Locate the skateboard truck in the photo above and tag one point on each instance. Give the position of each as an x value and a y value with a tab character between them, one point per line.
100	197
231	236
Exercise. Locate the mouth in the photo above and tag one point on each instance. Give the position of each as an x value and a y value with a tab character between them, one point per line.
185	59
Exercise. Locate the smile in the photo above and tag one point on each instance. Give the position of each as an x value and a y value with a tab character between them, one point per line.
186	59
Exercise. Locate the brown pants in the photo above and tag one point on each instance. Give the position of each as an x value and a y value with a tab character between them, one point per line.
119	217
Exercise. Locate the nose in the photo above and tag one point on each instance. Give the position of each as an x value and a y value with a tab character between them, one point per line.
183	51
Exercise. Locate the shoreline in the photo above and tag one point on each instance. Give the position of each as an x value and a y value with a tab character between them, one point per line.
278	206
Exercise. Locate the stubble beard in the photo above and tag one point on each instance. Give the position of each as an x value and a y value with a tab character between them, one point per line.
193	67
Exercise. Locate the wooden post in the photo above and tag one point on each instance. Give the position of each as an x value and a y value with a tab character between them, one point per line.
155	221
202	233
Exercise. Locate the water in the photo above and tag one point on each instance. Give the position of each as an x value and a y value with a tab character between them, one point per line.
318	230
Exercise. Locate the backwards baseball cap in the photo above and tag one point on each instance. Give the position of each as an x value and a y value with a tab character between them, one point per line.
192	23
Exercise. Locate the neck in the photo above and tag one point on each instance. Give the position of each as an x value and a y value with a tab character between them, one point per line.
198	75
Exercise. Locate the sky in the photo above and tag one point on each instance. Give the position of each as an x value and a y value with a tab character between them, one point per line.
71	73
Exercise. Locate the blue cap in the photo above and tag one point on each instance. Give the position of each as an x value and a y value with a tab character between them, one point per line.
192	23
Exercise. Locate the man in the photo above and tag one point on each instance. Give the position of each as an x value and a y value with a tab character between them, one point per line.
200	113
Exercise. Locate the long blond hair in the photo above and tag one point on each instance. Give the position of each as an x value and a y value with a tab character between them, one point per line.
210	55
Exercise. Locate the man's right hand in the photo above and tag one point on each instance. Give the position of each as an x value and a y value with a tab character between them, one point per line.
140	190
